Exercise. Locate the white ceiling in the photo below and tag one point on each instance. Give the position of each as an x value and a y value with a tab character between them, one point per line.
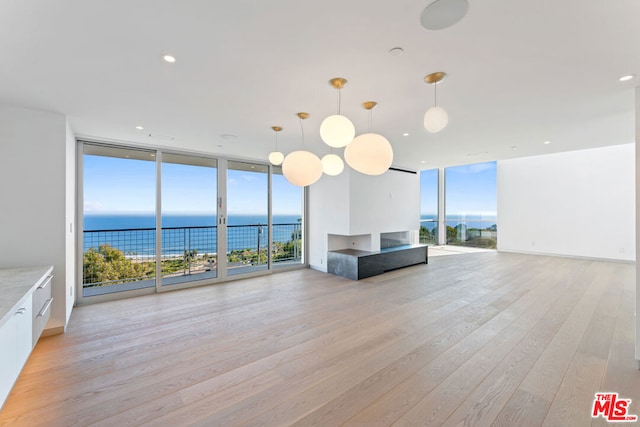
518	72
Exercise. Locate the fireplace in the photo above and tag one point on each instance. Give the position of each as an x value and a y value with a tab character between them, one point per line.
395	239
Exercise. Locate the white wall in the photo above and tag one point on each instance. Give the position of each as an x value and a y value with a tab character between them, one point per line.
328	214
353	204
637	219
578	203
384	203
33	184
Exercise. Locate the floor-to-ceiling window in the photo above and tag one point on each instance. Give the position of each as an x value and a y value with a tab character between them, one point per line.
155	219
189	214
287	208
119	235
429	206
247	220
470	201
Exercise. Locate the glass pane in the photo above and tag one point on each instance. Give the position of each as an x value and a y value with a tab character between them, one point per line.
119	240
247	210
429	206
471	205
286	200
189	216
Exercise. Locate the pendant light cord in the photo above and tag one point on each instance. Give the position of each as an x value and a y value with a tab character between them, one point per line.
339	99
276	141
435	94
370	119
301	129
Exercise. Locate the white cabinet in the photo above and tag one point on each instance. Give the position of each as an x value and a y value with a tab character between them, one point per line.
25	301
41	307
15	345
24	329
8	369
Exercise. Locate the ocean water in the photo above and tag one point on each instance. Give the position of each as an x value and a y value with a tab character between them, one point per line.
135	234
471	221
122	222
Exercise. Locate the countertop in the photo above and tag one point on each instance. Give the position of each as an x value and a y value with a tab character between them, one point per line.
15	283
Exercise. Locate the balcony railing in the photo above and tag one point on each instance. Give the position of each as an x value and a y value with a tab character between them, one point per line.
473	233
122	256
429	231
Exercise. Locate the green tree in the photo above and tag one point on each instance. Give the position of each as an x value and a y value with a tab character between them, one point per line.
108	265
452	234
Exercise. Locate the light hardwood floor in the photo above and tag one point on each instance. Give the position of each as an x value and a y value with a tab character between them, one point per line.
474	339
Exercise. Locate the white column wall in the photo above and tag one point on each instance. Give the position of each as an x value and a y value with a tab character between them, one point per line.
70	221
578	203
384	203
33	193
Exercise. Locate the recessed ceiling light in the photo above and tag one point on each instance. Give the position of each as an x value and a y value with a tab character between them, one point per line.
152	155
169	58
515	147
423	161
405	134
219	145
396	51
627	77
139	127
547	142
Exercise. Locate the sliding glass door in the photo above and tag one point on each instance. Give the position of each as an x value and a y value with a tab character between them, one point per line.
154	219
287	225
189	211
119	223
247	220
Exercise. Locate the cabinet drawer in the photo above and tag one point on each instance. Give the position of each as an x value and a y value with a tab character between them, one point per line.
41	295
40	320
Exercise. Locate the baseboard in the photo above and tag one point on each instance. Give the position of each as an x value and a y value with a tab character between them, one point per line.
623	261
53	331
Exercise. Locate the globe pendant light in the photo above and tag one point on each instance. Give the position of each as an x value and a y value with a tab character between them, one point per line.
337	130
369	153
302	168
332	164
436	118
276	157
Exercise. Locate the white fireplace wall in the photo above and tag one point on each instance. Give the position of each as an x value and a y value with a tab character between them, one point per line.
353	204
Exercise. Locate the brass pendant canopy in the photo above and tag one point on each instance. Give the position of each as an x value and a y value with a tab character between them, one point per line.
435	77
338	82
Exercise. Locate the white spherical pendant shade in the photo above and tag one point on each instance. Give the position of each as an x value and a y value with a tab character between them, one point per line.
337	131
332	164
302	168
435	119
370	154
276	157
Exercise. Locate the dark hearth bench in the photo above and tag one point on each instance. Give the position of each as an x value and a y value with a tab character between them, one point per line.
356	264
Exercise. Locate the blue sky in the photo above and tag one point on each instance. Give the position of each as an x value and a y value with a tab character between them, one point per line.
470	190
116	185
